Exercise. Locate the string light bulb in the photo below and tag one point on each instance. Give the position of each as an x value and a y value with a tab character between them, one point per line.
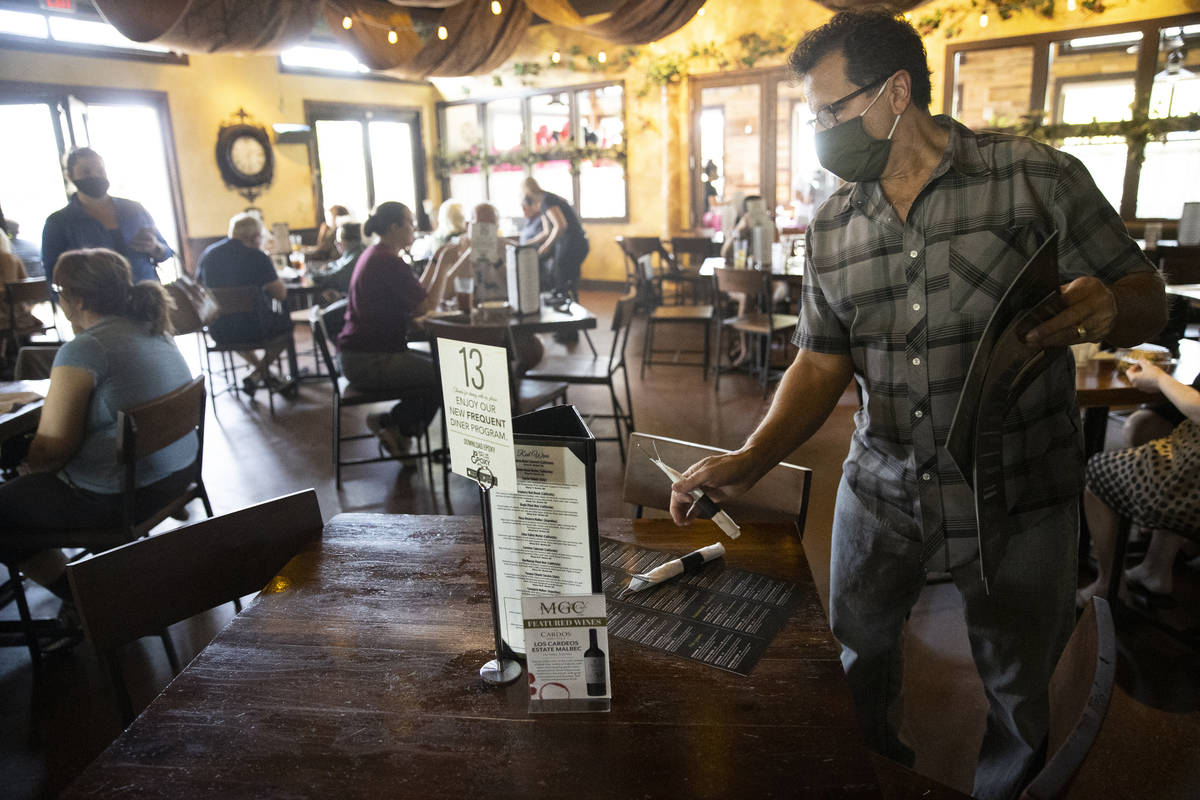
983	20
602	57
393	37
1071	5
442	33
555	57
497	9
700	12
347	23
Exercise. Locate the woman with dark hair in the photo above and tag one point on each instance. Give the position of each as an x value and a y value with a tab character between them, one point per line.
94	219
384	296
326	247
122	355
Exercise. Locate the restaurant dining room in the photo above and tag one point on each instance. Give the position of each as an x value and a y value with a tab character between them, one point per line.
638	398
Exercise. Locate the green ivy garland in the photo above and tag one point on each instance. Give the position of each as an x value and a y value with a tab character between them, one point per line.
447	163
1139	129
744	52
950	18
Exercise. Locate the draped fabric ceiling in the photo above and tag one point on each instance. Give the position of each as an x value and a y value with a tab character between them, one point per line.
477	41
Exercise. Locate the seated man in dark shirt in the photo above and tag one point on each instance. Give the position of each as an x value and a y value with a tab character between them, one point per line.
239	261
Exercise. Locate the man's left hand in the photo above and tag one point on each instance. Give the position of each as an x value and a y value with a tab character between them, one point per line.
1089	316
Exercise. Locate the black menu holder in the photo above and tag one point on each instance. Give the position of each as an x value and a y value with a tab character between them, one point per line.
545	538
1003	367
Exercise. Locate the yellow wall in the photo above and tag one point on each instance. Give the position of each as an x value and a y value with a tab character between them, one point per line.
204	94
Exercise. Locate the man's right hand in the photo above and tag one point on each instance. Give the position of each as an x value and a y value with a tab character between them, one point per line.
720	477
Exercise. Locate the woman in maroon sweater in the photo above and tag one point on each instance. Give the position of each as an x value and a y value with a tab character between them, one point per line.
384	296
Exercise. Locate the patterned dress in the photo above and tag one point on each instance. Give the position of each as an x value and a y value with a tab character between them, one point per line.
1156	484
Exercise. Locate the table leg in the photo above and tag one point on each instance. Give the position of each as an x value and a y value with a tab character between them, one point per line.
1095	428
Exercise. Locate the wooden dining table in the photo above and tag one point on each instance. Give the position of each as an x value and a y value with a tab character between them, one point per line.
356	674
26	417
1101	386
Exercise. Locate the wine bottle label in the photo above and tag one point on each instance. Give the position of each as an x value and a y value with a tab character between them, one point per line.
593	670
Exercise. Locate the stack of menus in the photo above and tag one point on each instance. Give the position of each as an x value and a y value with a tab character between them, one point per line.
545	538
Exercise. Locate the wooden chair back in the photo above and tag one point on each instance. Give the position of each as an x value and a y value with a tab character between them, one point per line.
1080	692
140	588
494	335
1180	264
30	290
319	321
150	427
648	286
690	251
622	321
237	299
751	282
781	495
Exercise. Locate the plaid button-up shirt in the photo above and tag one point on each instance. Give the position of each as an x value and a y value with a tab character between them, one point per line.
909	300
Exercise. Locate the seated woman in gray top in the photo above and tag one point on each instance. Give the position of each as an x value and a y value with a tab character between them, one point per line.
122	356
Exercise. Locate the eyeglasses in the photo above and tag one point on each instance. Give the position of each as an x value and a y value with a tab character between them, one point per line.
827	117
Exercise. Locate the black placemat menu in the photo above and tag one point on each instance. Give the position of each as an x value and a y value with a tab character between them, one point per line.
720	616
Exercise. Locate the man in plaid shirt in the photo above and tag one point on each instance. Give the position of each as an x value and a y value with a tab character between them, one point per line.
905	264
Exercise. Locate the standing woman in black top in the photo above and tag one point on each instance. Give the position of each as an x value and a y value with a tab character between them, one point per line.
562	237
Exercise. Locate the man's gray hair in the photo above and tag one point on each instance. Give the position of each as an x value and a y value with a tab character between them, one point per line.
244	226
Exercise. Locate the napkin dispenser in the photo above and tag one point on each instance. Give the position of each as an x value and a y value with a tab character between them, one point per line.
524	292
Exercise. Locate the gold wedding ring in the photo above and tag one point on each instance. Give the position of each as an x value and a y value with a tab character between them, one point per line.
1082	331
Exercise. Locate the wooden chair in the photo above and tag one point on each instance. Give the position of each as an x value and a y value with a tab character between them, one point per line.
140	588
1188	637
241	300
325	324
687	256
1080	692
579	369
781	495
32	291
759	323
141	431
644	280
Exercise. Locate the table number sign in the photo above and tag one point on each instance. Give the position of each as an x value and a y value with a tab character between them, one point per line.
475	396
566	644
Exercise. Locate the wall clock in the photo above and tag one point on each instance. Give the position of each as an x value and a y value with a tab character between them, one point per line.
244	156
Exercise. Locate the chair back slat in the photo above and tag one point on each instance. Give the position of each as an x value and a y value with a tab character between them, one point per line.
750	282
690	251
780	496
494	335
237	299
321	339
140	588
150	427
621	323
32	290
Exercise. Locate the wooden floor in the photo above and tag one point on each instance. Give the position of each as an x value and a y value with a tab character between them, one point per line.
53	728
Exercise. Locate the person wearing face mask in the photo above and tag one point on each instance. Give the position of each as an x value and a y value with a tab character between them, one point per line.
94	219
905	263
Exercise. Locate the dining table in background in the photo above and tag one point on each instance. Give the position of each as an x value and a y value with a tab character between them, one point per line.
25	418
1101	386
356	674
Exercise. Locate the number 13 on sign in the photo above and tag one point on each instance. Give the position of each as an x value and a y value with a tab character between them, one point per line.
475	400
